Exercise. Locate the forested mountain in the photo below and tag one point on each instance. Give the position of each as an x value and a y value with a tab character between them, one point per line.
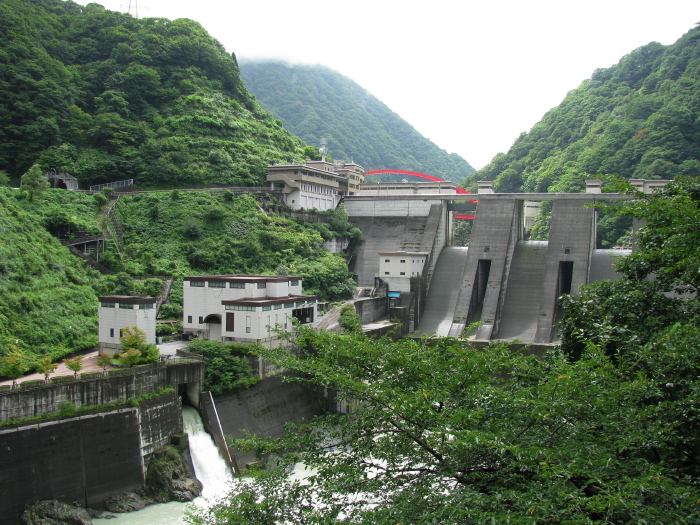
315	102
105	96
638	119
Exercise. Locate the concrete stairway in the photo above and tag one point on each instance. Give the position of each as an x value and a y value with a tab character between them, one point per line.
522	300
444	289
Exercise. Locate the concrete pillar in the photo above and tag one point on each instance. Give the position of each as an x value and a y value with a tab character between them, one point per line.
484	186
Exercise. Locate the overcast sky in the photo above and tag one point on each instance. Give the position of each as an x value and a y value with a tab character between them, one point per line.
470	76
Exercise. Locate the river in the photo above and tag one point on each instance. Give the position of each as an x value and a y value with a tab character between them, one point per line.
210	469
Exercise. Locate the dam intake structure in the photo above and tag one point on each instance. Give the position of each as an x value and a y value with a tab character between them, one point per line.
507	284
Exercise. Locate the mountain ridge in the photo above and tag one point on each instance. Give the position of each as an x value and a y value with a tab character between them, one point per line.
315	102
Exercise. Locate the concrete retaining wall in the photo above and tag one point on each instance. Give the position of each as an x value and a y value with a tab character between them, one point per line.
82	459
264	409
371	310
47	399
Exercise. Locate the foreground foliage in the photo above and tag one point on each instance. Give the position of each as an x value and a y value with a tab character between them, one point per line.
442	432
604	430
661	278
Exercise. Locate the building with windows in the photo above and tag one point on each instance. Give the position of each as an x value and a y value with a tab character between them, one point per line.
397	268
244	308
117	312
317	184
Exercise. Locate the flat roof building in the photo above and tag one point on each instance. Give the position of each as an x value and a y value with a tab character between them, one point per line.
117	312
245	308
316	184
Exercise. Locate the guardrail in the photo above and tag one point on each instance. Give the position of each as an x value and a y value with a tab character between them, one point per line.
117	184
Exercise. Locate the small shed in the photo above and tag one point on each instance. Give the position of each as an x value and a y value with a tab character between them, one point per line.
61	180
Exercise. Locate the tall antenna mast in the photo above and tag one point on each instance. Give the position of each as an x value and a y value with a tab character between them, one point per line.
323	150
135	5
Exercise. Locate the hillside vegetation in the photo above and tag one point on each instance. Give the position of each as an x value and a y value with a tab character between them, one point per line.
637	119
105	96
315	102
48	303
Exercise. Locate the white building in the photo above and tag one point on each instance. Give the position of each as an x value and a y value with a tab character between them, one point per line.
397	268
317	184
117	312
244	308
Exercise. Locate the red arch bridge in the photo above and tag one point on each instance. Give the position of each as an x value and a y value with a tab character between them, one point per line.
462	216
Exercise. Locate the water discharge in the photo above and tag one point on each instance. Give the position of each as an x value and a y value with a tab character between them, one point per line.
210	469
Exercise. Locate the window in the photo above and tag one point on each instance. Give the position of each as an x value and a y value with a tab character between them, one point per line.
266	308
197	284
216	284
278	307
239	307
247	324
300	303
403	260
107	305
201	320
289	305
126	306
386	260
294	283
229	321
386	273
262	285
189	319
147	306
402	273
111	332
236	285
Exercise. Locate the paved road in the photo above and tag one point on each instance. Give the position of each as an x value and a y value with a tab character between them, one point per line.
90	363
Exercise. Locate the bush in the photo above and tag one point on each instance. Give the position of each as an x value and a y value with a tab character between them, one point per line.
66	409
100	199
62	379
32	383
171	311
226	367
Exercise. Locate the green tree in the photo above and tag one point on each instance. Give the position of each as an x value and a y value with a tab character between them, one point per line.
349	321
226	366
14	364
74	364
442	432
133	338
46	366
661	278
130	357
34	183
104	360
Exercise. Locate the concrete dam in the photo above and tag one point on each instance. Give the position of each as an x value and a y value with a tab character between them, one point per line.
508	284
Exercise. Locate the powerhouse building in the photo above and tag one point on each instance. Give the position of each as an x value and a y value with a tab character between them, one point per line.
244	308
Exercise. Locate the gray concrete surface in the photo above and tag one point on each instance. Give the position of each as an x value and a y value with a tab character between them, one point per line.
521	305
442	296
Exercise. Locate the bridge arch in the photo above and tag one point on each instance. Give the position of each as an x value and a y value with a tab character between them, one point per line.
462	216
